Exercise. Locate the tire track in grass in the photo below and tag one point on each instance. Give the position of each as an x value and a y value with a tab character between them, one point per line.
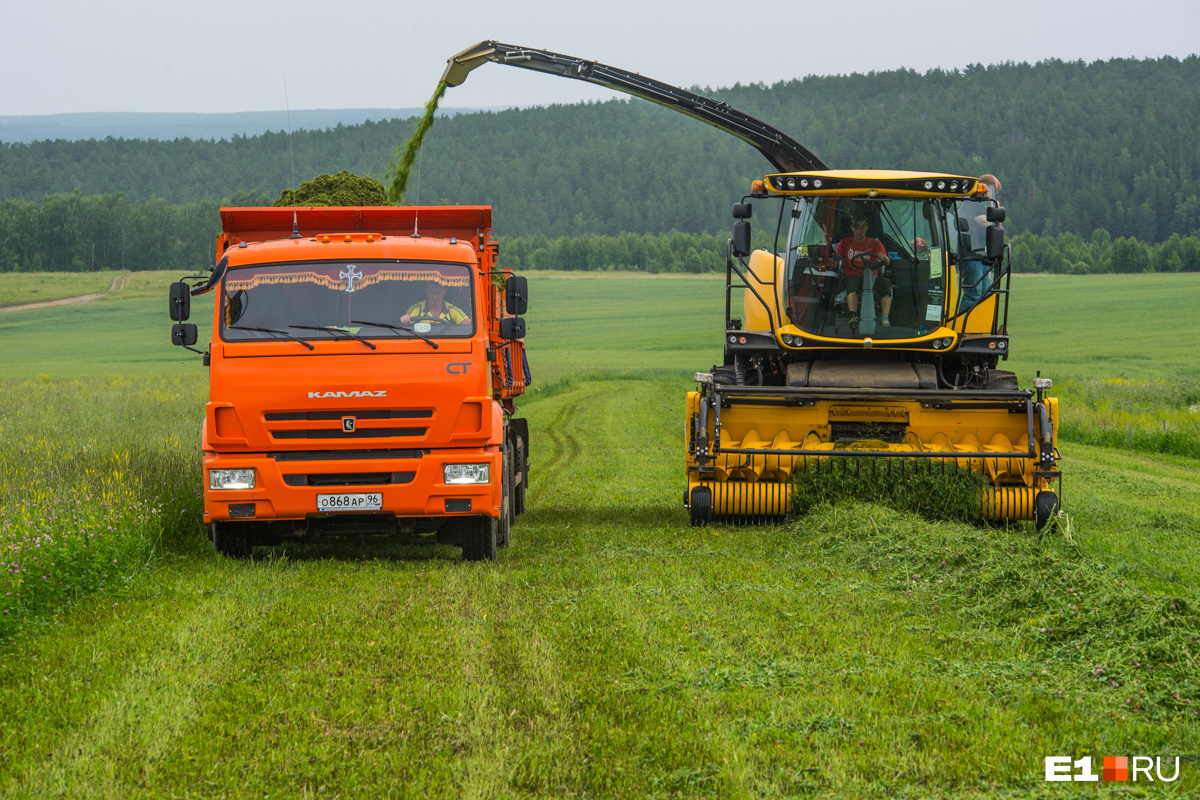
137	722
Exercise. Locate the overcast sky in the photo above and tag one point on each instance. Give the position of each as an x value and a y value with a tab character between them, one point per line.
218	55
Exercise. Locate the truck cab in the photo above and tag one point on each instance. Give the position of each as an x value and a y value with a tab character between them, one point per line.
362	370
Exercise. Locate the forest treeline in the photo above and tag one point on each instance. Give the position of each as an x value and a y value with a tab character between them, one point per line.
108	232
1112	145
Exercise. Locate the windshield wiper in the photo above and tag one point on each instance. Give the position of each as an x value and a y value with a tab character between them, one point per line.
272	330
334	329
431	342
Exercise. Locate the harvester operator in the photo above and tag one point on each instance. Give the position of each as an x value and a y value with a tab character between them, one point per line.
872	252
434	306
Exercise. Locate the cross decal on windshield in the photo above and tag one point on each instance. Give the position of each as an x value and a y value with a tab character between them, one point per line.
351	275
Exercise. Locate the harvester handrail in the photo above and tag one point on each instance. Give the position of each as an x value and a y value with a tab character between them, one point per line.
837	393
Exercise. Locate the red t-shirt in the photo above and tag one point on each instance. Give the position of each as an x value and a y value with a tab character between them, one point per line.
847	249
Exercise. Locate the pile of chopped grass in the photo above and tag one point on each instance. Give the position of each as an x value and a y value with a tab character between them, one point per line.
935	491
342	189
1090	630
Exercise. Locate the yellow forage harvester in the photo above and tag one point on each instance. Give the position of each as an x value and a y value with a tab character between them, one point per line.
872	330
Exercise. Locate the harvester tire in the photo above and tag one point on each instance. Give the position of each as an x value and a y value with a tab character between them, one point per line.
229	539
701	506
1047	506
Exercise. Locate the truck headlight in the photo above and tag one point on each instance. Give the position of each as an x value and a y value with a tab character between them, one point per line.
231	479
466	473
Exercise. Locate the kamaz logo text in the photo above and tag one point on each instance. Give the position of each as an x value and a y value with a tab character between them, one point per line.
382	393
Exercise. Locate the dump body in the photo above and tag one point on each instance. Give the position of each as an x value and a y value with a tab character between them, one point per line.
339	401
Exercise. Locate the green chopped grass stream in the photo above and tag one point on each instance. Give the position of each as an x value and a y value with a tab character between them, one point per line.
612	651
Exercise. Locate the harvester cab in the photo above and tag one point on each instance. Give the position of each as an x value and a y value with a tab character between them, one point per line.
871	330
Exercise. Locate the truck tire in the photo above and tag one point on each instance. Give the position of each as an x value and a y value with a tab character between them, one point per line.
229	539
521	470
504	523
480	540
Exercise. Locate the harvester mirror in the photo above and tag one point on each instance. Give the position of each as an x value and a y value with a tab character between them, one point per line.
516	294
741	238
183	335
742	210
996	214
181	301
995	241
512	328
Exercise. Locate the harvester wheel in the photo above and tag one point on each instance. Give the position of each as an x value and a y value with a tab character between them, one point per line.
701	506
1047	506
230	539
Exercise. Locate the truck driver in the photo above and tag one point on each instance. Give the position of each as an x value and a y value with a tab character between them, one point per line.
435	306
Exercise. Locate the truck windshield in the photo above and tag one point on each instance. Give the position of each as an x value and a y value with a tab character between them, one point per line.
370	299
842	250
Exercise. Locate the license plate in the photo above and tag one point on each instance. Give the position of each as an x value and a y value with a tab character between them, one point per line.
359	501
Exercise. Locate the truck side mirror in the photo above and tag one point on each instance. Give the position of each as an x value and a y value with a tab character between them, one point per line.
181	301
183	335
995	241
512	328
516	294
996	214
741	238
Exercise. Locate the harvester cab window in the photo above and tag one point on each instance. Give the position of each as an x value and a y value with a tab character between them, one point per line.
908	231
975	276
317	300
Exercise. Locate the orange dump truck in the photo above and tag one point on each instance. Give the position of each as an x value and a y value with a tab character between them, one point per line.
362	371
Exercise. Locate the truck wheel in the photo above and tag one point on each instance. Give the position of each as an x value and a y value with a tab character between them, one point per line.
230	539
504	524
1047	506
480	541
701	506
520	468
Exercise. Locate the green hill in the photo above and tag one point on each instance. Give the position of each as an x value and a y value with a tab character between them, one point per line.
1113	145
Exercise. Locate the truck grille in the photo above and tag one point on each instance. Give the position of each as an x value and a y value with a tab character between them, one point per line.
343	455
337	433
350	479
331	416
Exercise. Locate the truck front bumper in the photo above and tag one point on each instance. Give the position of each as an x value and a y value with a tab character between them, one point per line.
286	486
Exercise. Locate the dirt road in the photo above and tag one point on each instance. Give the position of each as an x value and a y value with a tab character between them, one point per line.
69	301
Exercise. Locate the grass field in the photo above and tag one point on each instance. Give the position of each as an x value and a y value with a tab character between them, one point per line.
612	650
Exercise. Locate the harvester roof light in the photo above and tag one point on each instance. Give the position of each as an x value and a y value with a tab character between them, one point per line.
703	377
804	183
1042	383
954	186
941	185
928	184
817	183
791	183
